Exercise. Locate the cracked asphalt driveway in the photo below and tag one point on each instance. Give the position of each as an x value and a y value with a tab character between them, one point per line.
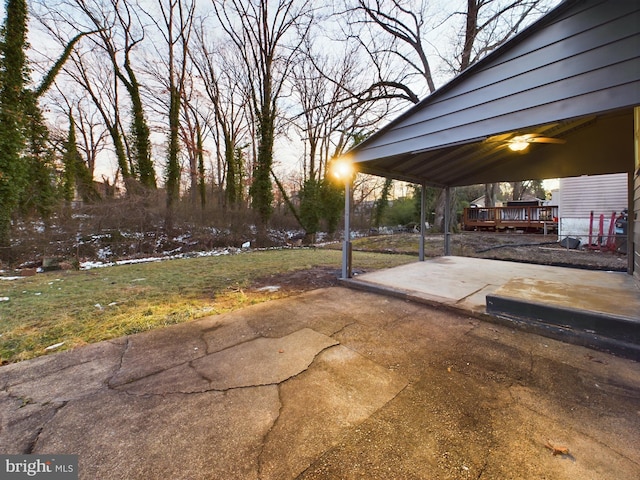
330	384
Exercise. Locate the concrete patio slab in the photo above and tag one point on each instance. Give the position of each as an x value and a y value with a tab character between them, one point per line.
465	282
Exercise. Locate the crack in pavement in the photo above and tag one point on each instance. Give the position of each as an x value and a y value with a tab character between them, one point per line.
461	300
342	329
118	367
207	352
265	437
125	349
344	391
210	381
31	446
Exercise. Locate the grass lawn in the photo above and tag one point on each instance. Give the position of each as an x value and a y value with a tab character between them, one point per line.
89	306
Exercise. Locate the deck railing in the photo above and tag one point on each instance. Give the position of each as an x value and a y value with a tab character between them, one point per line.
517	217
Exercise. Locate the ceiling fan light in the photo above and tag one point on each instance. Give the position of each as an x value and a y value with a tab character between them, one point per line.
518	146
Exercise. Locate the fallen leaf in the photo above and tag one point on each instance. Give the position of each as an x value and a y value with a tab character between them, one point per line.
557	449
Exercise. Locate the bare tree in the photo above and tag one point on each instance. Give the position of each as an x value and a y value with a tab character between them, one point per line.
226	89
174	21
326	108
330	120
91	132
310	89
117	32
519	190
267	35
191	138
392	35
487	25
100	85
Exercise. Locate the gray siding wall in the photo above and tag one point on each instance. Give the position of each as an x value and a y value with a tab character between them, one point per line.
584	61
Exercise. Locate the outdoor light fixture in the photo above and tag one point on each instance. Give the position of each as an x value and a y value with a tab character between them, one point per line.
518	144
342	169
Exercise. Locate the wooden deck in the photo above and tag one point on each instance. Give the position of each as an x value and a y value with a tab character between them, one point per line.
527	218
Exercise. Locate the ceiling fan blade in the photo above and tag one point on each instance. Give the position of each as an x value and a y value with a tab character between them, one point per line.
499	138
546	140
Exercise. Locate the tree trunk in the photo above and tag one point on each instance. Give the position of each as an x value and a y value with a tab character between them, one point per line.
261	188
12	117
490	194
471	31
141	134
202	184
173	165
518	190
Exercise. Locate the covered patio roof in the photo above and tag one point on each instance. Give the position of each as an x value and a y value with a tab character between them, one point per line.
572	77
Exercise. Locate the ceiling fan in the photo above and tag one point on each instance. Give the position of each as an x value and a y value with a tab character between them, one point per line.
519	143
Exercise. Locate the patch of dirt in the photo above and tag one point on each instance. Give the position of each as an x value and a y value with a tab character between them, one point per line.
526	248
538	249
298	281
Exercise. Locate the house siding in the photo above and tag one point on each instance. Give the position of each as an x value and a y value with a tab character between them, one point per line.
579	196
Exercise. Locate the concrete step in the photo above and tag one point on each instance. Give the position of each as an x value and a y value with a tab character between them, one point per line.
593	316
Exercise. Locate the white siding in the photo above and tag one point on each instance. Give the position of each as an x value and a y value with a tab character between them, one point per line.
579	196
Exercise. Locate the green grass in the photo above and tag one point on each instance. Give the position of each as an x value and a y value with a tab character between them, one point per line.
89	306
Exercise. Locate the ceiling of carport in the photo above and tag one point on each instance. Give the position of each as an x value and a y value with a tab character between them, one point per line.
594	145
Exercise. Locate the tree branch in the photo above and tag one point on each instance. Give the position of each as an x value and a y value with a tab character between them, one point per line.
47	81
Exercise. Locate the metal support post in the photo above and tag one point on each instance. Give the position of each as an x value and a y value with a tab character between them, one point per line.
447	222
346	246
423	220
